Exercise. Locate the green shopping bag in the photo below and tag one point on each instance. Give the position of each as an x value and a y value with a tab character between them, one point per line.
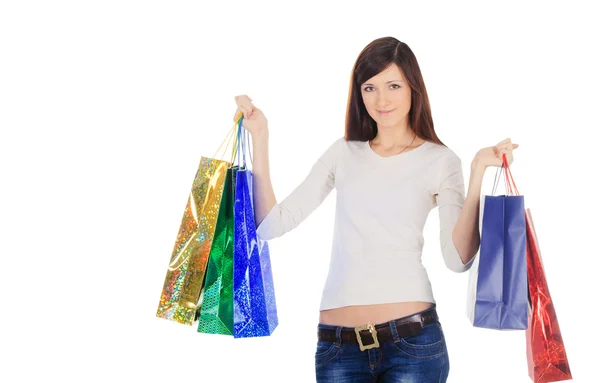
216	311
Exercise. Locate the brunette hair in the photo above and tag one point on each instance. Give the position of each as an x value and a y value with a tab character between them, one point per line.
374	58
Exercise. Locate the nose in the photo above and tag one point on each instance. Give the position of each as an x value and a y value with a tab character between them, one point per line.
382	100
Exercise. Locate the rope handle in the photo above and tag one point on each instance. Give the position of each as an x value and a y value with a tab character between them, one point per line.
509	182
243	138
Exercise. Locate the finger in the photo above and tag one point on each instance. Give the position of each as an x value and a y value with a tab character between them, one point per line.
515	146
244	100
244	110
247	105
248	111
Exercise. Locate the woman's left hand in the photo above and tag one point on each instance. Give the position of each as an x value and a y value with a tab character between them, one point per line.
492	155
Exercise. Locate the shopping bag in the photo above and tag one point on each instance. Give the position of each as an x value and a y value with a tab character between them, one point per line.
184	279
546	355
216	311
498	283
255	311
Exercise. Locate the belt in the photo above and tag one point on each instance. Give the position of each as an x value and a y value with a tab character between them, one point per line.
369	336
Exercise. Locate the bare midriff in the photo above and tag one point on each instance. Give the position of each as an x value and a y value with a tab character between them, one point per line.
354	316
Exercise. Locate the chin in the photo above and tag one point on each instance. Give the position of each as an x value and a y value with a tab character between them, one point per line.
387	123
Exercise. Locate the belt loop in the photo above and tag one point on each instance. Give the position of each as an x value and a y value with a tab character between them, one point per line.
338	336
394	330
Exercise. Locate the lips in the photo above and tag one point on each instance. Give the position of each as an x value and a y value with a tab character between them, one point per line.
385	112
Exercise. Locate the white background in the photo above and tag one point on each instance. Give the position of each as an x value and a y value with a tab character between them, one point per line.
106	108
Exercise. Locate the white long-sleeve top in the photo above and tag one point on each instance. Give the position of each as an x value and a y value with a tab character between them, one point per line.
381	207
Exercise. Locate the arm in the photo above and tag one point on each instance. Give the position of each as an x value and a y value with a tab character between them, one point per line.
264	195
283	217
466	234
459	216
273	219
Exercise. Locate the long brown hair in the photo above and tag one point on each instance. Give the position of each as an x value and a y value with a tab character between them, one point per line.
374	58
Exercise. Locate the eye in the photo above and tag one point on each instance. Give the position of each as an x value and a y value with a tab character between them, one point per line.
366	89
395	86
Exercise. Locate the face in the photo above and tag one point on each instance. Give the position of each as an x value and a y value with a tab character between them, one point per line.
387	97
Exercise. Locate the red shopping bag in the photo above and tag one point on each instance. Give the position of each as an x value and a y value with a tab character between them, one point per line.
546	355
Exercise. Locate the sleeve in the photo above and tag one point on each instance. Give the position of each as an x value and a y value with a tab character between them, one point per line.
450	199
304	199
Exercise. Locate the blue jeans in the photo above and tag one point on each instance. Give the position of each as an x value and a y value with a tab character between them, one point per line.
421	358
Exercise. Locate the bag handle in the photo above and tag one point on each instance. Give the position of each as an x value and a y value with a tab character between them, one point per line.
509	182
231	135
509	176
243	137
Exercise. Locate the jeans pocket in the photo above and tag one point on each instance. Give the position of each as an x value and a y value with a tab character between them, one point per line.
429	343
326	352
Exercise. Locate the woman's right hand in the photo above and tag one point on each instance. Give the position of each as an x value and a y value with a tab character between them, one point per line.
254	121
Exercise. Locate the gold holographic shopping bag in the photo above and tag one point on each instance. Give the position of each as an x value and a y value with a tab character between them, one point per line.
183	283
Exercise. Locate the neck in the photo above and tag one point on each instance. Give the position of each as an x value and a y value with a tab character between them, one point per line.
392	136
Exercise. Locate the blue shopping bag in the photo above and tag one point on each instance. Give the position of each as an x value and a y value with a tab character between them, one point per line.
501	291
254	306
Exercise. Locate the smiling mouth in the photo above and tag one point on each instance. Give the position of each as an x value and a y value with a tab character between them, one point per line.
385	111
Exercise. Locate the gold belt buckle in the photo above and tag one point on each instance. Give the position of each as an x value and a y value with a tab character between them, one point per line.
372	330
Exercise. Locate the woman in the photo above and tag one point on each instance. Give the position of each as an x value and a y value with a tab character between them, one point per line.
377	317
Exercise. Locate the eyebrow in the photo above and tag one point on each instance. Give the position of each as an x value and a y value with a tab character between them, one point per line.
386	82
